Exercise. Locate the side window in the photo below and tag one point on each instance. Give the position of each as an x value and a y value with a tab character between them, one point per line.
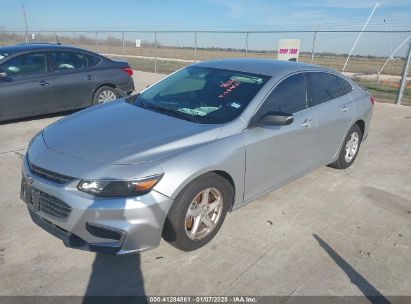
289	96
345	86
92	60
26	64
67	61
324	87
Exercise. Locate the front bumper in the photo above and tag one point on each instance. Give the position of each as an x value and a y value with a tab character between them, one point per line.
83	221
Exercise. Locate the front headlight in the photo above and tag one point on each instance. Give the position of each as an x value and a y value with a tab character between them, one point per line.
118	188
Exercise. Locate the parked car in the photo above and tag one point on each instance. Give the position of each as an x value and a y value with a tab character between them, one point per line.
175	158
47	78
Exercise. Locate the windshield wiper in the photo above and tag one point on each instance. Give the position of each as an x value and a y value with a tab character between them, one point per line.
171	111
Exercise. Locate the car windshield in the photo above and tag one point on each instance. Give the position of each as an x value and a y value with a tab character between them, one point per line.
202	95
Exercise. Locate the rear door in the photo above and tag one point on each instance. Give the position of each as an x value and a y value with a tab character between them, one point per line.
28	88
277	154
75	78
333	106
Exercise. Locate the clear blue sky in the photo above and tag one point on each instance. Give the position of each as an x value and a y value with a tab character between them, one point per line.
215	15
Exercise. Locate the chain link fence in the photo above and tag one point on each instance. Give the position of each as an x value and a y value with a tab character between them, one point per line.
374	65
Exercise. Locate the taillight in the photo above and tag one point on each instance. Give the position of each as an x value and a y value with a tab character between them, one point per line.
372	100
128	70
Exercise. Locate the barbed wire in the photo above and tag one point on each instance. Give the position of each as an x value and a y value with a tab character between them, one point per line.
210	31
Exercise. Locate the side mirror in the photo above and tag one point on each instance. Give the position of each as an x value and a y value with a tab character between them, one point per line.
275	119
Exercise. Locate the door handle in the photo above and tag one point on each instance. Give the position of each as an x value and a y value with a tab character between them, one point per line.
44	83
89	77
345	108
307	123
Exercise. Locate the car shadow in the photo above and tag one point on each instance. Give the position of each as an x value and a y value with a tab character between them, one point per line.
118	276
369	291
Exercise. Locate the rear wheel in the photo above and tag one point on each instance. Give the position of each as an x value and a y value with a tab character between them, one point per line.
349	149
104	94
198	212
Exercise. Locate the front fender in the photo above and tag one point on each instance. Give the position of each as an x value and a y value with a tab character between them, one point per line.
226	154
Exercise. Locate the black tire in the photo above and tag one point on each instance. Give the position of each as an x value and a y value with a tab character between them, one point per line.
341	162
174	231
100	90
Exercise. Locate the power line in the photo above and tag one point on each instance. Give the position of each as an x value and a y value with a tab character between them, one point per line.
360	34
25	23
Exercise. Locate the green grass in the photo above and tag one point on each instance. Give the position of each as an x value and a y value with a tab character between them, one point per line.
385	92
147	65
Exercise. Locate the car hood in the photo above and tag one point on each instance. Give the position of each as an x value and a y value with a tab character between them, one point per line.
121	133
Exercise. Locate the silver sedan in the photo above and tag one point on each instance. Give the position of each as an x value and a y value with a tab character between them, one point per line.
171	161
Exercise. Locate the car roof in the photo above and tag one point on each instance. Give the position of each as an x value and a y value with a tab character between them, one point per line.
268	67
17	48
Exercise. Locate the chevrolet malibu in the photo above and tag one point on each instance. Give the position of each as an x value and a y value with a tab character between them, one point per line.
171	161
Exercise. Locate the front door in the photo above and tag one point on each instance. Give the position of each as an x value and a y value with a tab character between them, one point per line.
27	89
277	154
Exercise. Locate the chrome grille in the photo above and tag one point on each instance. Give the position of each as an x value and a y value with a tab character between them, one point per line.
53	206
51	176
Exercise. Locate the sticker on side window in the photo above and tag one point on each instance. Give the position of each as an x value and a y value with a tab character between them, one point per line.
235	105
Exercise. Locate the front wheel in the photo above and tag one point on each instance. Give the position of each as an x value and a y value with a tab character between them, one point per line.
198	212
349	149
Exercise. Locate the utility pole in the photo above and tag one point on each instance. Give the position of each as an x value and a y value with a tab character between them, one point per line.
123	44
404	76
155	52
195	46
312	48
246	44
25	23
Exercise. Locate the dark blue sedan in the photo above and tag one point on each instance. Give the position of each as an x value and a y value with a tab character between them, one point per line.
38	79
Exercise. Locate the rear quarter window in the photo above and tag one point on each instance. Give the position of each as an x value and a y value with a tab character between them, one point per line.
92	60
345	86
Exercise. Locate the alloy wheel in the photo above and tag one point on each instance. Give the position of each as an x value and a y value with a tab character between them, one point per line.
351	147
105	96
204	213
